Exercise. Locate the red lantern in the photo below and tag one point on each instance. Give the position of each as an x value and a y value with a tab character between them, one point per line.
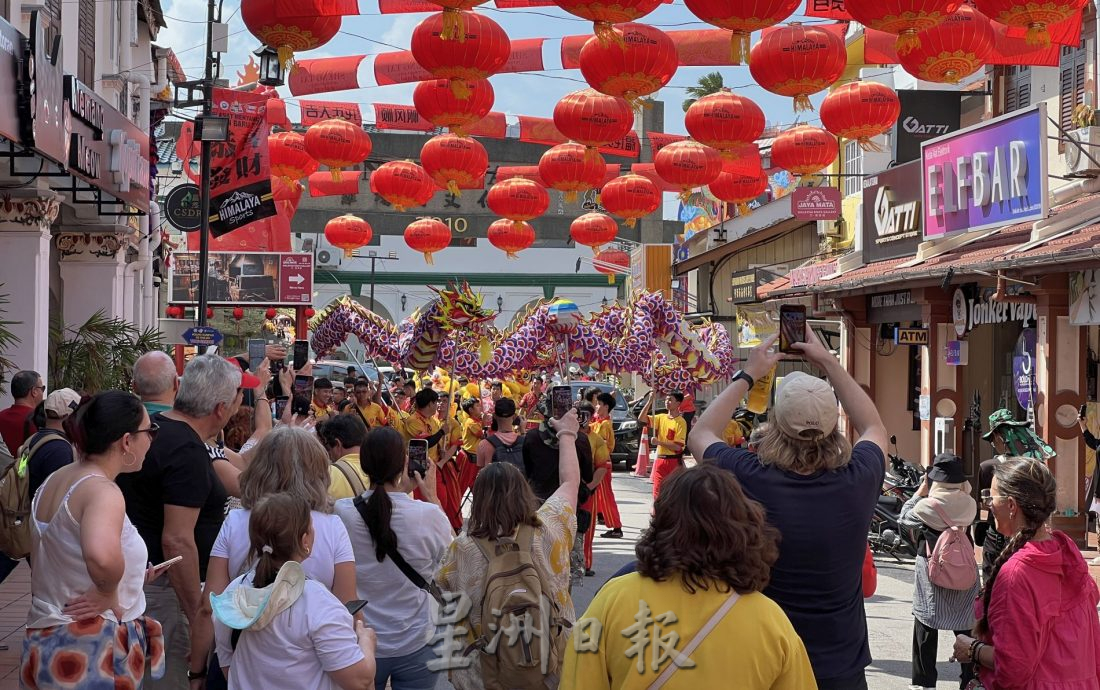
482	52
630	197
348	232
510	237
612	262
594	230
518	199
592	118
428	235
569	168
173	312
286	34
724	121
436	103
742	18
209	312
454	162
238	313
906	18
644	62
804	150
1034	15
308	312
955	49
289	158
797	60
861	110
687	164
739	186
402	184
338	144
271	313
604	13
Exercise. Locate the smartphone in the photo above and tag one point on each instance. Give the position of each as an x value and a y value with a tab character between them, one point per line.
561	399
170	561
418	457
301	354
300	405
1084	411
792	327
356	605
280	405
257	350
303	385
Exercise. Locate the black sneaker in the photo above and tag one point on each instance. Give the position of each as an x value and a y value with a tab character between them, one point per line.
616	533
589	573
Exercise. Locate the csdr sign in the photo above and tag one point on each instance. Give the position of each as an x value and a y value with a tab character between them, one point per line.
987	176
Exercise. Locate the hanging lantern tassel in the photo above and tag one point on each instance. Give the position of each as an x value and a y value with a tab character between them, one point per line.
460	89
868	144
286	57
631	222
740	44
454	28
452	187
1037	35
605	31
743	208
802	103
336	174
592	154
908	41
428	259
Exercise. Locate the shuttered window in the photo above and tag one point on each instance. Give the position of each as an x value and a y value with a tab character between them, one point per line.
1017	87
1071	89
52	24
86	43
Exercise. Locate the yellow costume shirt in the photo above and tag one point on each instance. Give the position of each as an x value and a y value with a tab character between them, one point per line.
669	429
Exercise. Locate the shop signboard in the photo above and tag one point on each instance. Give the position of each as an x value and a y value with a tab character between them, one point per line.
1023	367
956	353
182	208
42	113
968	311
816	203
924	115
267	278
11	57
893	307
1084	298
892	219
911	336
812	274
744	284
987	176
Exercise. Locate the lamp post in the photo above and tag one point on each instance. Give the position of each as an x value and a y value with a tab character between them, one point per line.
271	67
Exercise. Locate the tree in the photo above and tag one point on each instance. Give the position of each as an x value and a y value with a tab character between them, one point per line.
8	341
99	354
708	84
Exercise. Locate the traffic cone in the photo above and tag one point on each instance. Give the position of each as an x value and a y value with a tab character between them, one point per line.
641	465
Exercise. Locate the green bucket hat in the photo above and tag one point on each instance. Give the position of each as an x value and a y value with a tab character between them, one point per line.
1000	418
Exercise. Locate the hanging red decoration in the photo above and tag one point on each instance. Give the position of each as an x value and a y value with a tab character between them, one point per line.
569	168
594	230
861	110
952	50
238	313
604	13
724	121
402	184
454	162
348	232
798	60
643	63
518	199
286	34
286	195
436	102
308	312
337	144
209	312
289	159
427	235
745	155
592	118
510	237
739	186
804	150
1033	15
742	18
906	18
482	52
687	164
271	313
630	197
173	312
612	262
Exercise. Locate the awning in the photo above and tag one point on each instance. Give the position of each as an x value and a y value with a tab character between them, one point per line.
765	223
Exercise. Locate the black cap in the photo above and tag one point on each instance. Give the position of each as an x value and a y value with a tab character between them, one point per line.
505	407
947	468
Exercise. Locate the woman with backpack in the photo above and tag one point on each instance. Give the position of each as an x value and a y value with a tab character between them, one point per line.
397	542
513	547
274	624
504	444
942	600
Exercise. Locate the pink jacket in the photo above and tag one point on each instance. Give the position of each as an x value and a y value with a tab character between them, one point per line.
1043	620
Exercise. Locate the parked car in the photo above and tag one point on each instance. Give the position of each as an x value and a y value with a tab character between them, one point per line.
623	422
336	370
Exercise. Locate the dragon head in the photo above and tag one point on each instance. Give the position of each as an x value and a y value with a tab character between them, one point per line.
461	308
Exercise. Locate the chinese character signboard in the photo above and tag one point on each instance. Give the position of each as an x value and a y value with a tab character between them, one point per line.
253	278
987	176
816	203
743	285
240	173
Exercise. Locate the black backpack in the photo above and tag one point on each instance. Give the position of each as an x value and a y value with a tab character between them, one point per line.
513	454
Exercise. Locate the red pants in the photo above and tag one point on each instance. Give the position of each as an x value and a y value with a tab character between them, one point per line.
467	474
663	468
606	505
446	488
590	533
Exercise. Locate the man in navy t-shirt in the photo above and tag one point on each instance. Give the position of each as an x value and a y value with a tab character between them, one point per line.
819	493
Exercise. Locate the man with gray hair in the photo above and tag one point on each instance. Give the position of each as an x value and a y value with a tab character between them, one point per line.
156	381
177	503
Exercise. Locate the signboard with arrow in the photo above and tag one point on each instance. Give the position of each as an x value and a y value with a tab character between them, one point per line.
253	278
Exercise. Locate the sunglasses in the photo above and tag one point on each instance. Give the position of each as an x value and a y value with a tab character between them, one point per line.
988	498
151	430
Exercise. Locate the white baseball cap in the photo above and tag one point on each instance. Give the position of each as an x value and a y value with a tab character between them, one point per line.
805	406
62	402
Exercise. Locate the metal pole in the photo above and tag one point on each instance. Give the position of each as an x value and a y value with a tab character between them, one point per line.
373	261
204	185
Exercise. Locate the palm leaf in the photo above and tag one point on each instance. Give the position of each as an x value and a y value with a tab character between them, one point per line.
98	354
8	341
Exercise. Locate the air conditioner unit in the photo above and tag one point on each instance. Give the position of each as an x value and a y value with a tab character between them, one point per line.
326	255
176	167
1077	163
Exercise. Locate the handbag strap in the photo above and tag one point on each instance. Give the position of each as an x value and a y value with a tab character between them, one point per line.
402	565
943	516
355	482
710	625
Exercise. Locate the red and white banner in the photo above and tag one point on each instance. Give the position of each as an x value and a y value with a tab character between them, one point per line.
407	6
322	184
696	48
283	9
324	75
878	49
400	117
399	67
492	126
647	170
318	111
659	140
827	9
541	130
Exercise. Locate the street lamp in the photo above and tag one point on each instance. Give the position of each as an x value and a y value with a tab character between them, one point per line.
213	128
271	67
500	303
404	300
604	301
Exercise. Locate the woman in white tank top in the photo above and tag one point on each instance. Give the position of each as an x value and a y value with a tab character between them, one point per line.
88	561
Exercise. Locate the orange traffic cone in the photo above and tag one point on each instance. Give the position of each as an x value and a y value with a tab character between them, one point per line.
641	465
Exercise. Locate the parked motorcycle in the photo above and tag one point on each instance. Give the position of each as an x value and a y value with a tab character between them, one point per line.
903	478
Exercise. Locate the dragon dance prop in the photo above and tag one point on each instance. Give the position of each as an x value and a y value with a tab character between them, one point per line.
648	336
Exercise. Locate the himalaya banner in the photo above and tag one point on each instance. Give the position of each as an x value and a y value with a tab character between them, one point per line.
987	176
240	170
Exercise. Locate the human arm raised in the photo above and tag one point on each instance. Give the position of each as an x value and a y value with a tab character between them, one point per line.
569	471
